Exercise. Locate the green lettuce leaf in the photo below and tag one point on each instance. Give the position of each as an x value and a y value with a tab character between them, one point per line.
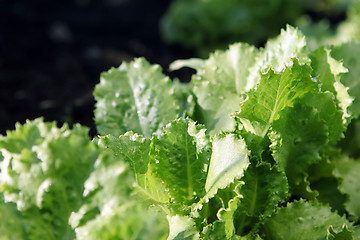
224	205
342	233
128	221
301	220
279	52
263	189
226	215
328	190
349	171
180	159
134	97
216	230
348	53
185	97
274	92
135	150
219	83
299	137
182	228
328	72
329	113
258	146
111	210
121	147
229	160
43	172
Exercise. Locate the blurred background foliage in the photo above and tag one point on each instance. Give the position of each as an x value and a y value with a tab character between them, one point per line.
206	25
52	52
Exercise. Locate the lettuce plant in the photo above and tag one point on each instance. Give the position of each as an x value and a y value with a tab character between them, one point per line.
259	145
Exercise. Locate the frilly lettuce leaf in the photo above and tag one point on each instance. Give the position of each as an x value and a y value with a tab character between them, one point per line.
216	230
128	221
131	148
246	202
329	193
134	97
348	170
342	233
135	150
180	159
43	172
109	186
111	209
227	216
321	124
329	112
324	180
182	228
328	72
229	160
349	54
279	52
295	151
220	82
274	92
301	220
263	189
223	205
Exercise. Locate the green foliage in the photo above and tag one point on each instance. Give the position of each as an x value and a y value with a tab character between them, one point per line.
301	220
137	97
180	156
264	189
207	25
270	161
43	172
274	93
348	171
212	24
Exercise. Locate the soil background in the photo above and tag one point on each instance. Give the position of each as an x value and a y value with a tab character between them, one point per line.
52	53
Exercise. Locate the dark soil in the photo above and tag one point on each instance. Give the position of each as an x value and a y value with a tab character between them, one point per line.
52	53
